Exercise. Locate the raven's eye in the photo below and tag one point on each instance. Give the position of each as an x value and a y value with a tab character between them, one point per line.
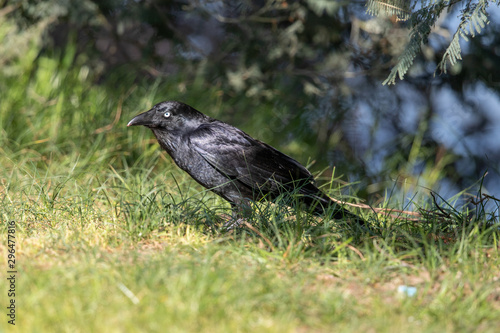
167	114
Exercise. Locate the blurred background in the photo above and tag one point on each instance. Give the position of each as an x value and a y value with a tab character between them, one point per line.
304	76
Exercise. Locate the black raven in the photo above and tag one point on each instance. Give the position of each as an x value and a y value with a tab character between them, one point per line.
230	162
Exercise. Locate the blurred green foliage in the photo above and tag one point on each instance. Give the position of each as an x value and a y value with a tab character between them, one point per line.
302	75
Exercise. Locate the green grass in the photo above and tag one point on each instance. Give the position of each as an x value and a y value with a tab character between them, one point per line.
112	237
123	251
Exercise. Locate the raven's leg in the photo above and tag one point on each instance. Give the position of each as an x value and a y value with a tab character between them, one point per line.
241	212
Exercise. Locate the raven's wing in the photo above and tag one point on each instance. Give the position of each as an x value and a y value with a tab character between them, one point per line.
256	164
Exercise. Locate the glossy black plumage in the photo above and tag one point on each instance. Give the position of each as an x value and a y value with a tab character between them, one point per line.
228	161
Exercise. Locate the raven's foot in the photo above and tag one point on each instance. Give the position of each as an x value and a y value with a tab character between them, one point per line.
232	224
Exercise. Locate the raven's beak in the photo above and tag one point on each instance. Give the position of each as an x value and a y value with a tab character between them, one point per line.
144	119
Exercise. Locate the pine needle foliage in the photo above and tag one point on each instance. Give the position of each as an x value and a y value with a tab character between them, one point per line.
473	19
398	8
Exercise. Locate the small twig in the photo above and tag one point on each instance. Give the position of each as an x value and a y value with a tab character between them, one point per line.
358	252
118	113
386	211
490	197
389	212
117	118
251	227
438	207
485	197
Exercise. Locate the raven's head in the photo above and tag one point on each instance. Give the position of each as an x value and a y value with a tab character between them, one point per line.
170	116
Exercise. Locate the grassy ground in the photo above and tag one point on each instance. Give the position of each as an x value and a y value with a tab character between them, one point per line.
123	251
112	237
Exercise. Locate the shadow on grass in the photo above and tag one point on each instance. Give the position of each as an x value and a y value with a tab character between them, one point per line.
284	227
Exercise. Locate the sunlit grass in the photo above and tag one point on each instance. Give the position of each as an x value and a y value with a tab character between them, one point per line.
134	250
112	236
